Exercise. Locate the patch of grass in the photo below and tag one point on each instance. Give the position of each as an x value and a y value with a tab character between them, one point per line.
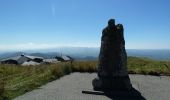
84	66
2	89
19	79
148	66
16	80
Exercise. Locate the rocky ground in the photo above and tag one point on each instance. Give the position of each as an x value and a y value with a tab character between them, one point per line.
70	87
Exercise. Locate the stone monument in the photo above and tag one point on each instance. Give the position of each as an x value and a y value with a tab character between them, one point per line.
112	65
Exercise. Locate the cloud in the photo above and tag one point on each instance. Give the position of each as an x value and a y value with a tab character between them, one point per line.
25	46
53	10
34	46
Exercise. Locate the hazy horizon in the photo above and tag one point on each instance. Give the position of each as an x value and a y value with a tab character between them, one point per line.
59	48
22	47
88	53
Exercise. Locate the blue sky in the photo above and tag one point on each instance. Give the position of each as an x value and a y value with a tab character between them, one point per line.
35	24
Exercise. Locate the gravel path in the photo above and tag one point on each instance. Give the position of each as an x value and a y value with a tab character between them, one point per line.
70	88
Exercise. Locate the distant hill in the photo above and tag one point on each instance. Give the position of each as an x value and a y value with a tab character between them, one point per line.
87	53
156	54
44	55
10	54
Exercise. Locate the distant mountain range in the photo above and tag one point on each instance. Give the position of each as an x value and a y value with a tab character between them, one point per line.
87	53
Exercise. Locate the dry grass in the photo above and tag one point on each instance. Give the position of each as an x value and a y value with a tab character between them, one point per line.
15	80
84	66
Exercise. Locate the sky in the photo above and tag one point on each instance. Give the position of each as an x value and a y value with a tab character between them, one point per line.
38	24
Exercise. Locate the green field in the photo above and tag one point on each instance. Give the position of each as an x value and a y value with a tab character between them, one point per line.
16	80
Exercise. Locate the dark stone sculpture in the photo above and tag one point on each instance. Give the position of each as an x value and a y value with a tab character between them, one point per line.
112	67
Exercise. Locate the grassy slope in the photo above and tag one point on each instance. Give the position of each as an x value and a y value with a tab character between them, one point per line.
148	66
16	80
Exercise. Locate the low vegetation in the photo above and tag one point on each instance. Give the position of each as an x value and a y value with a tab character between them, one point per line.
147	66
16	80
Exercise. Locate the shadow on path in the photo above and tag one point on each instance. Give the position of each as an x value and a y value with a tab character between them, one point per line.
133	94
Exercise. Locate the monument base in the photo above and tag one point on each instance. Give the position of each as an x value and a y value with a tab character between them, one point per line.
112	83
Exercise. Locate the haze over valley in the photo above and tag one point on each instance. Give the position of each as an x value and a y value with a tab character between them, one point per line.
87	53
